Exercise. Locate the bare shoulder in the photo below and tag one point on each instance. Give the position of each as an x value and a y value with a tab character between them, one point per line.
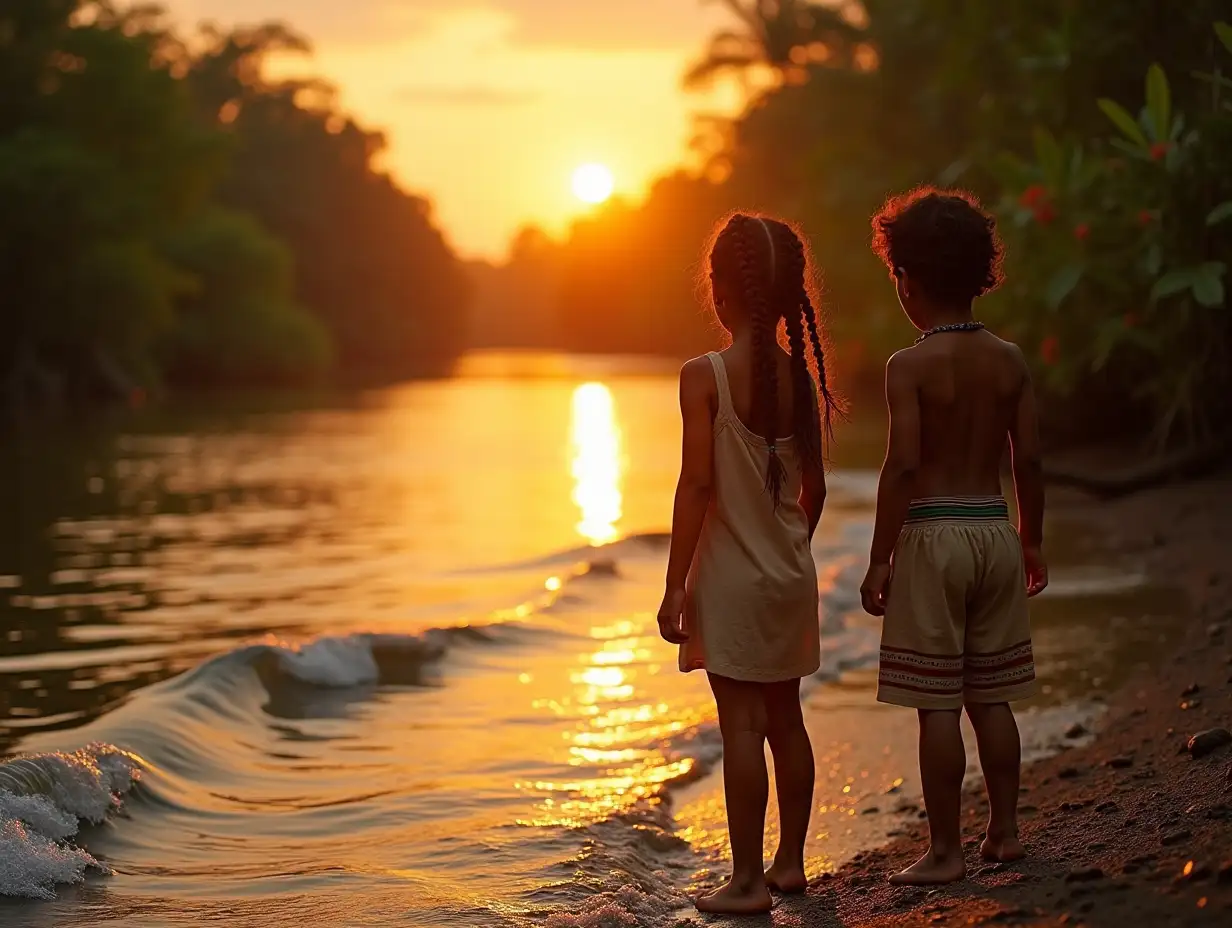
905	363
697	377
1014	358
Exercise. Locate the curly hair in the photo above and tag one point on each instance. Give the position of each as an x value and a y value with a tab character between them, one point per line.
943	240
769	262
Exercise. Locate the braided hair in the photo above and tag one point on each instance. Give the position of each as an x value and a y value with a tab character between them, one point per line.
767	260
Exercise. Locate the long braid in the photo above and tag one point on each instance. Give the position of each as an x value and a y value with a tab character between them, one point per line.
790	296
752	247
800	278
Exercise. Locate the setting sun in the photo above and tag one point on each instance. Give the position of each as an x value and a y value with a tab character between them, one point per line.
593	183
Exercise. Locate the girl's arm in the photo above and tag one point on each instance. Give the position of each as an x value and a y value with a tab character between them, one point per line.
813	496
698	399
813	484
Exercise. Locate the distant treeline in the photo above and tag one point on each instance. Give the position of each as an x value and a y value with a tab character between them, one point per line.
169	216
1100	133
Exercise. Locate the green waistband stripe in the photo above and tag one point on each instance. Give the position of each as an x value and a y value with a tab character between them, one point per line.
959	509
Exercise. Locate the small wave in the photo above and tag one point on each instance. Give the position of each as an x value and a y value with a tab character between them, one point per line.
44	798
596	556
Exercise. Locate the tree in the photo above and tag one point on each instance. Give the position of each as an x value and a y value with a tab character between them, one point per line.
781	35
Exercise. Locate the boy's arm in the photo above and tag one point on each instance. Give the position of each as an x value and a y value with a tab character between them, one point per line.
693	490
898	473
1029	482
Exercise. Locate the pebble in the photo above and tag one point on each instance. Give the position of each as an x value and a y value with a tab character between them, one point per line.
1209	741
1192	703
1077	730
1176	837
1119	763
1191	690
1106	806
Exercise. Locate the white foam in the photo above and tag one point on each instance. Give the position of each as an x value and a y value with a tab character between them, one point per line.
43	800
624	907
330	661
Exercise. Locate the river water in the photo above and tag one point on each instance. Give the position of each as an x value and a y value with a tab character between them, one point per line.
389	658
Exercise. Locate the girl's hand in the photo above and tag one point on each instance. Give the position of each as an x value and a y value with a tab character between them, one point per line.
671	617
874	588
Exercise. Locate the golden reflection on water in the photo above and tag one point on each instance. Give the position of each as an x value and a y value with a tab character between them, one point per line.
617	746
597	463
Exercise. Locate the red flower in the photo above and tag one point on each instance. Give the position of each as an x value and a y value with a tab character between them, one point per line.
1033	195
1050	350
1146	217
1159	150
1045	213
1081	231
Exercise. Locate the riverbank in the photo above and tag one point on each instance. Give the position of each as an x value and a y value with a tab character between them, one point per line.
1129	829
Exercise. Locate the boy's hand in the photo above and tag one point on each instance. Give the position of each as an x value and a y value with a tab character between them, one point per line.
671	617
874	588
1037	570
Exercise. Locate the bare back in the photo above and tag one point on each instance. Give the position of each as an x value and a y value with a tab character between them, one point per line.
739	362
969	386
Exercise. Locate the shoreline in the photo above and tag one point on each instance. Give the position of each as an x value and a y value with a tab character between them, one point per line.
1110	826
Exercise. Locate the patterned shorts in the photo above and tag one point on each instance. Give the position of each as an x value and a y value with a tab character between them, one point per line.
956	629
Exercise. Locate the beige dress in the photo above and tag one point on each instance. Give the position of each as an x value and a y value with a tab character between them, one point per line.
751	610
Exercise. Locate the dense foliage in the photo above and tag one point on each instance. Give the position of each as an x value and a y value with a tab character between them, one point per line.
172	217
1115	222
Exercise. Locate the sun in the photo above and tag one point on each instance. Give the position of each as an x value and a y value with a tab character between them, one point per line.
593	183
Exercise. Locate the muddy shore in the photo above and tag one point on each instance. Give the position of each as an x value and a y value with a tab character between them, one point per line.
1129	830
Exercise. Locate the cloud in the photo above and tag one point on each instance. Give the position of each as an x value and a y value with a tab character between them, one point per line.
465	96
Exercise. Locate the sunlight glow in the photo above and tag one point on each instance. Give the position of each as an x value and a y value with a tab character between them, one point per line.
593	183
597	462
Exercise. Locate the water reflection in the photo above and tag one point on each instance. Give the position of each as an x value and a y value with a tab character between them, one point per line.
597	463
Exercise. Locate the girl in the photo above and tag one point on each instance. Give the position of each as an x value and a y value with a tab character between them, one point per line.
741	597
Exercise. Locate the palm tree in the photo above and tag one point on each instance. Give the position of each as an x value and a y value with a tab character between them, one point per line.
783	35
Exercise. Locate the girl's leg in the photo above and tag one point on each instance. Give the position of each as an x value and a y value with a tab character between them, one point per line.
793	779
743	722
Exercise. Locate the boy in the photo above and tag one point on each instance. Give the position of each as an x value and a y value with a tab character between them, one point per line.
955	632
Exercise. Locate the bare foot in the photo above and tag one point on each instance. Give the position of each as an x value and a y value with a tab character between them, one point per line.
1004	850
931	870
786	878
733	899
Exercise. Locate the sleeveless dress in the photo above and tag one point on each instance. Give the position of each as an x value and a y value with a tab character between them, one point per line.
751	608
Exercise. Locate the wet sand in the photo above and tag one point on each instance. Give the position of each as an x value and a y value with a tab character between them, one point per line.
1128	829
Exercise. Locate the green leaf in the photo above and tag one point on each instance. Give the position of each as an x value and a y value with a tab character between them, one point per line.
1048	153
1062	284
1123	121
1159	101
1172	283
1208	284
1133	151
1224	31
1219	213
1154	259
1215	80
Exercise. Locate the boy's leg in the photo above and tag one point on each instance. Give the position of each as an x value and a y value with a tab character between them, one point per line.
999	668
743	723
943	762
996	733
793	780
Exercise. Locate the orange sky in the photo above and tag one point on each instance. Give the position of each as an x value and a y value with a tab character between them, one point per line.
489	105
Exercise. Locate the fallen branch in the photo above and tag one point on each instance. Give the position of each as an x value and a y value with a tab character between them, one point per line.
1180	465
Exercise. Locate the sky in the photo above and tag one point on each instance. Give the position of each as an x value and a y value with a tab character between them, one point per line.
489	105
